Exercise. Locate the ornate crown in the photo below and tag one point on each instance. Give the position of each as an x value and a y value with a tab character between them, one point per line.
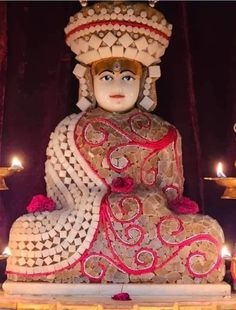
118	30
110	29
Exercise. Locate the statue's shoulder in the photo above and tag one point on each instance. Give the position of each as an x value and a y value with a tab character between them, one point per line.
65	126
69	120
160	122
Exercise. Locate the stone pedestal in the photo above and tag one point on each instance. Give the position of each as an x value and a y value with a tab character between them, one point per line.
107	290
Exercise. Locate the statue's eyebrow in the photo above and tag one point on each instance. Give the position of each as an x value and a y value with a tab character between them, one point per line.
127	71
106	71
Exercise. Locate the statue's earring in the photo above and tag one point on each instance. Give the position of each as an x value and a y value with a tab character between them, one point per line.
148	101
83	2
152	3
82	73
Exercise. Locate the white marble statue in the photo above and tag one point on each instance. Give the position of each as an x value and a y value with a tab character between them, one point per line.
115	171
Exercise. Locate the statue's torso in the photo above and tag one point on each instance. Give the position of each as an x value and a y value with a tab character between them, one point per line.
134	144
132	234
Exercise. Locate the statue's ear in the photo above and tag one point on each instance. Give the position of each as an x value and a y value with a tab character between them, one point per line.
86	100
147	100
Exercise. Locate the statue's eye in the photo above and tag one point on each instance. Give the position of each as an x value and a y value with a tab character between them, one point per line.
107	77
128	78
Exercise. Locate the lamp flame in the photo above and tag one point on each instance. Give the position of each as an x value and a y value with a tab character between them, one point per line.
225	253
6	252
219	171
16	164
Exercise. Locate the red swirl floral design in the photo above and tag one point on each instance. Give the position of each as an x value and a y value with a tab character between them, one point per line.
101	266
130	235
138	121
114	210
121	205
96	133
140	265
203	237
101	136
128	222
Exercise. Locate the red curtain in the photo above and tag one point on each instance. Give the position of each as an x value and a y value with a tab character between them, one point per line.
3	68
196	93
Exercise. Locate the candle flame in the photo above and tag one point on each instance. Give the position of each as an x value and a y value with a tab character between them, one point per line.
16	164
219	171
6	252
225	253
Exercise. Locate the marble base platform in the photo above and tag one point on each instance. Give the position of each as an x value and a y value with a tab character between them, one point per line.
104	290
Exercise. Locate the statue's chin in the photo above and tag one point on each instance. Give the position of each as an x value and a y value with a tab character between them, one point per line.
116	109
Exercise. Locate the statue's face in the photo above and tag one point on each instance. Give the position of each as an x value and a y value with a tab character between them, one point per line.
116	88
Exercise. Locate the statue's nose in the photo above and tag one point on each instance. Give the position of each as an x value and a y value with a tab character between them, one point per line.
117	85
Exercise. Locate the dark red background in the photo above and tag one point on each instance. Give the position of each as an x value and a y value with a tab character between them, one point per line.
197	93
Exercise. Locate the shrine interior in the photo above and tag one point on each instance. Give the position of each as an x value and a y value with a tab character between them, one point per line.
196	93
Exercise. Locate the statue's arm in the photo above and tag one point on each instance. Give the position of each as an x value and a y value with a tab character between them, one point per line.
171	168
173	181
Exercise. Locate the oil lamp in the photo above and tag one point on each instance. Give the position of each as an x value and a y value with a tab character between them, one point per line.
5	254
15	167
228	182
231	259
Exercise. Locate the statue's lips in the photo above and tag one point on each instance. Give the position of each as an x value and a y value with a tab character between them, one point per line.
117	96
